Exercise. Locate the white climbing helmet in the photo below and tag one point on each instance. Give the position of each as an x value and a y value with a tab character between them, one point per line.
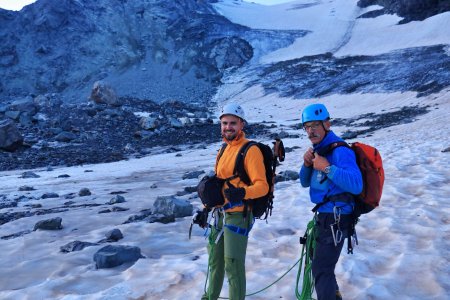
232	109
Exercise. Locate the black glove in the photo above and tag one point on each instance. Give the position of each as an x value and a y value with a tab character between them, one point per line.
234	195
201	218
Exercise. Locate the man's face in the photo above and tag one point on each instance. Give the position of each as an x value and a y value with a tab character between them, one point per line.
315	131
230	126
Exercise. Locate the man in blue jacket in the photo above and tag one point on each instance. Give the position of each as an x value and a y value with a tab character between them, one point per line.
333	177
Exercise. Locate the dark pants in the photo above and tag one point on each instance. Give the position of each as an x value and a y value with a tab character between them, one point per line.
326	255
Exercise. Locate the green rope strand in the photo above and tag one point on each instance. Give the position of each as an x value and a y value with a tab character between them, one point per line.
281	277
263	289
307	253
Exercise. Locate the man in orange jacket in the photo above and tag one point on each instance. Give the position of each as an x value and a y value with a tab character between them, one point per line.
227	243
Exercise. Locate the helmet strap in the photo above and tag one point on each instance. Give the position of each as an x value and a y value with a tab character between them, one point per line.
326	128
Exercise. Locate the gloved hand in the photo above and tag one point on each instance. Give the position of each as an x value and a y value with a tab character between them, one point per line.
201	218
234	195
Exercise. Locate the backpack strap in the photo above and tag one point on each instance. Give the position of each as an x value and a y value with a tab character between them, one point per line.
239	168
329	148
222	149
343	197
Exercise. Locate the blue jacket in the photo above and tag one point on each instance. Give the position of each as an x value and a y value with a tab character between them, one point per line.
344	176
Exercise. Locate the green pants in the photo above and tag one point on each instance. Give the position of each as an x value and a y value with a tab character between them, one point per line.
228	256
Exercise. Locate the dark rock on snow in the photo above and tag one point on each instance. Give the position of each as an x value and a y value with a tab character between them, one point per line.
160	218
286	176
171	206
29	174
117	199
112	236
50	224
26	188
192	175
75	246
15	235
144	215
49	195
84	192
112	256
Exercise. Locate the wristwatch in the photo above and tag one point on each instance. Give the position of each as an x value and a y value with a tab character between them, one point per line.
327	169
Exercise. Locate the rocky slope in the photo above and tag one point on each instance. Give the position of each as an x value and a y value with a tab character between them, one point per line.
143	48
163	61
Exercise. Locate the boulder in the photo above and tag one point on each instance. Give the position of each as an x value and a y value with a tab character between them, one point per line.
49	195
7	203
13	114
75	246
102	93
65	136
175	123
26	188
349	135
26	105
49	224
29	174
10	137
144	215
25	119
148	123
84	192
192	174
286	176
113	236
159	218
117	199
112	256
169	205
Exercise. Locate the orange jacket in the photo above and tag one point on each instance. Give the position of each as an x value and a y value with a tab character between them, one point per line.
253	164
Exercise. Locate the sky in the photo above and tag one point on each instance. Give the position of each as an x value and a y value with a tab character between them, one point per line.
404	245
14	4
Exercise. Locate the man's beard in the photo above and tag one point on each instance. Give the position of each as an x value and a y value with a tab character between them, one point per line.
229	136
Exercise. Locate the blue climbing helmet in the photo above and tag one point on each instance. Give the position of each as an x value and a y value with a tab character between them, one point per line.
315	112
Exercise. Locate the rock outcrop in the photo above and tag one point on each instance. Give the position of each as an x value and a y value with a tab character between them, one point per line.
10	137
410	10
144	48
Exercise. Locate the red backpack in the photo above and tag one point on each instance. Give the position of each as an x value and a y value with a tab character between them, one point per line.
369	161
